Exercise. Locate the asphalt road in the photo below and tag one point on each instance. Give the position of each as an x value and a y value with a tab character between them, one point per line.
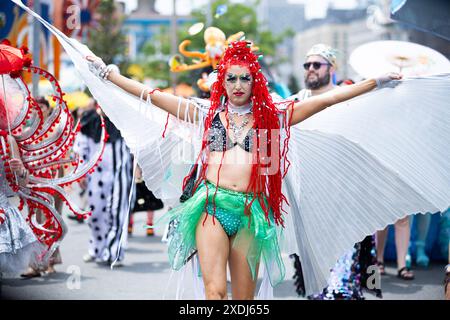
146	274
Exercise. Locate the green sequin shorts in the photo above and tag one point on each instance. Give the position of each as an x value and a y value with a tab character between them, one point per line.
254	234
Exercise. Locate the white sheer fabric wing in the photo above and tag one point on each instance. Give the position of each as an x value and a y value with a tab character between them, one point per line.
361	165
140	123
406	128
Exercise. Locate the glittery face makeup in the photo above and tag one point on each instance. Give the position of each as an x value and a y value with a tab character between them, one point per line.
245	79
238	84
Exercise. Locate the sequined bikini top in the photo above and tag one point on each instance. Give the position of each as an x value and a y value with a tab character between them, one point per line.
218	140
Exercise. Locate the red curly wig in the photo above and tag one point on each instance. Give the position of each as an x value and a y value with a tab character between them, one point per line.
264	187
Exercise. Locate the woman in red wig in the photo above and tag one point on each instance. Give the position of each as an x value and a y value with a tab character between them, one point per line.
235	204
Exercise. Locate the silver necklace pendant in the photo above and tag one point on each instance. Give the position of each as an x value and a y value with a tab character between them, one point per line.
237	129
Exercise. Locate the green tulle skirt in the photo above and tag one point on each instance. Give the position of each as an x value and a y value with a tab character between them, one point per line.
255	234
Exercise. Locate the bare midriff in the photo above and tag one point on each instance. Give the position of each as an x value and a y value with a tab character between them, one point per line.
234	176
236	167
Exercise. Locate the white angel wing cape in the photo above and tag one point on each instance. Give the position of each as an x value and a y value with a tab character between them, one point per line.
360	165
164	162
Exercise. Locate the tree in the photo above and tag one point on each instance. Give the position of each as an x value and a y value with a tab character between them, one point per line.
156	55
242	17
107	40
239	17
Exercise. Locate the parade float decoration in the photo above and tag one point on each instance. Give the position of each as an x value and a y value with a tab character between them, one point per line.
44	145
215	45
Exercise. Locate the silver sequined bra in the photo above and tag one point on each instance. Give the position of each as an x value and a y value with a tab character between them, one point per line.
218	140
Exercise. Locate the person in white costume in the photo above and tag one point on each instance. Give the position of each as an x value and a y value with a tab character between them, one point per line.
216	243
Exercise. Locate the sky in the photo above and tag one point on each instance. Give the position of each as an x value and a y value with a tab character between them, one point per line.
314	8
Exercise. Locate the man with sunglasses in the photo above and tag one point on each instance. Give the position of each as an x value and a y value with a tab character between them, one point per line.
319	66
343	283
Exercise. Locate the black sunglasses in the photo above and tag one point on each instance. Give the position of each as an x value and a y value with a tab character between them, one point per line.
316	65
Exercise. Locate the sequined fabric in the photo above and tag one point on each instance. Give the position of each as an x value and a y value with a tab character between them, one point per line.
18	244
218	140
344	282
15	236
230	220
349	276
255	235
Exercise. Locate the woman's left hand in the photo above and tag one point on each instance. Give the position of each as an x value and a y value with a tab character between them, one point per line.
387	78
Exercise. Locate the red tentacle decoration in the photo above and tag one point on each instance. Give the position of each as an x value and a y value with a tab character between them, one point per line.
43	147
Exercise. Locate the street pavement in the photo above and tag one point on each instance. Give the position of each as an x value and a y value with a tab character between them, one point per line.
146	274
